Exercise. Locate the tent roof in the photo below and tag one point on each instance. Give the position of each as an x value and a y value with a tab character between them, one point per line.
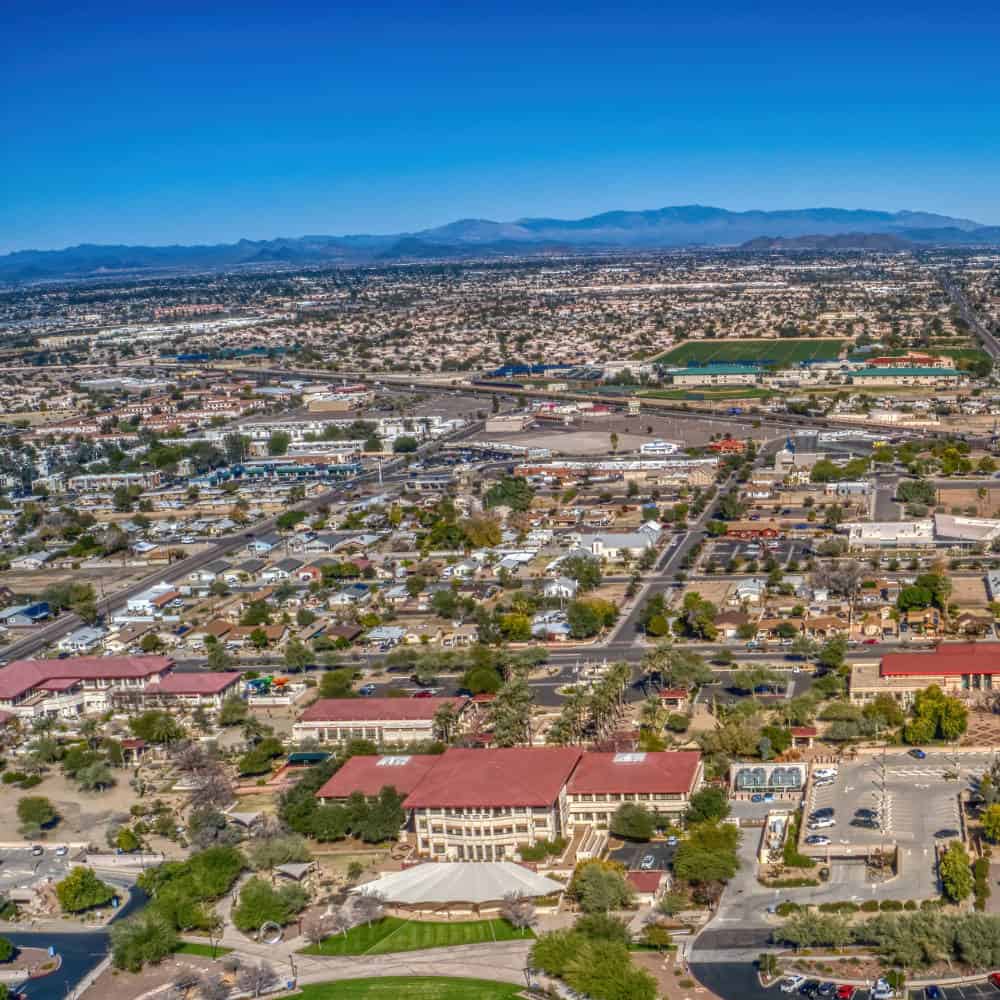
459	882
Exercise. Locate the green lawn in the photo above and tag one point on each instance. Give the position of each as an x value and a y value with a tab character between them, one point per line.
412	988
205	950
774	353
393	934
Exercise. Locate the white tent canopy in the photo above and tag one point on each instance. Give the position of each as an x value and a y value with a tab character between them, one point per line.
459	882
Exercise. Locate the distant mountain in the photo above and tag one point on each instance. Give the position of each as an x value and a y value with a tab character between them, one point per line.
662	228
846	241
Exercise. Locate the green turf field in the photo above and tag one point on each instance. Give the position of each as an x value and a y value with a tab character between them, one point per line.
774	353
393	934
412	988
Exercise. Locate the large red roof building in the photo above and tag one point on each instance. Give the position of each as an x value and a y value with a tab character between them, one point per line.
385	721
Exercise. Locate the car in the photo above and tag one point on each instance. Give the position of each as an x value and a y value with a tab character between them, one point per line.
845	992
933	993
823	823
917	753
820	813
817	840
646	863
994	979
671	841
882	990
757	797
791	984
870	642
827	990
37	851
809	988
424	694
62	851
825	772
366	690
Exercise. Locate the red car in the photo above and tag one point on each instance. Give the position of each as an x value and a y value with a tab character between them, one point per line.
995	979
424	694
871	642
845	992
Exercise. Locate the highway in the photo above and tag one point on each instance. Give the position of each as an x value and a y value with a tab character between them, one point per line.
961	302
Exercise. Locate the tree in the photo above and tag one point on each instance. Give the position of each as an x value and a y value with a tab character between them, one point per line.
510	713
991	822
832	653
234	711
7	949
698	617
297	656
954	867
445	722
584	570
95	777
82	890
518	911
584	620
145	938
35	813
600	886
369	907
156	726
260	903
707	805
935	716
257	979
278	442
404	445
632	822
510	491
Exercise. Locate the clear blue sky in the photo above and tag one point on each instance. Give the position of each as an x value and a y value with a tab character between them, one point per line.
205	122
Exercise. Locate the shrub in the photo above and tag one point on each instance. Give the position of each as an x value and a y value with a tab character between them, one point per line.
890	906
910	904
787	908
869	906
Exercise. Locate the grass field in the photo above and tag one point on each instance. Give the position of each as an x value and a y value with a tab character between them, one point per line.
774	353
412	988
955	353
205	950
393	934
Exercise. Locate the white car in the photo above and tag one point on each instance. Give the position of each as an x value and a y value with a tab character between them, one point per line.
825	772
62	851
647	863
791	984
822	823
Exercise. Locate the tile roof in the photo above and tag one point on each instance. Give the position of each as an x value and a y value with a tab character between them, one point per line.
948	659
494	778
370	774
201	683
665	771
23	675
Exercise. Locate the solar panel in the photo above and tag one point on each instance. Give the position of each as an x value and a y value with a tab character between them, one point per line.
393	761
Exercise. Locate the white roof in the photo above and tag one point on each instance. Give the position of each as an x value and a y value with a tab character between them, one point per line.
459	882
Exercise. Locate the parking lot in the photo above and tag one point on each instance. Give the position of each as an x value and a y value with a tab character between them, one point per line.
920	806
20	868
782	550
631	856
973	992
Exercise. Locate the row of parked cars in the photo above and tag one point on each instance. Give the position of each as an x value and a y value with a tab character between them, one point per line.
814	989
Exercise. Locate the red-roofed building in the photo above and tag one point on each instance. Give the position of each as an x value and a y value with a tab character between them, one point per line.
965	669
647	885
479	805
662	782
385	721
76	684
206	689
369	775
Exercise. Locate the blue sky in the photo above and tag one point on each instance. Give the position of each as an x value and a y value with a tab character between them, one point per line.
185	122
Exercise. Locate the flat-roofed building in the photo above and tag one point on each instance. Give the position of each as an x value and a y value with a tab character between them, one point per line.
384	721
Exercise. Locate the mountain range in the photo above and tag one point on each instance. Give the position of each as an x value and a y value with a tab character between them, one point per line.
663	228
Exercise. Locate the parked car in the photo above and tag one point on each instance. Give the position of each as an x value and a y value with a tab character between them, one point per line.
846	992
871	642
826	811
827	990
825	772
918	753
933	993
424	694
366	690
994	979
62	851
37	851
809	988
646	863
817	840
823	823
791	984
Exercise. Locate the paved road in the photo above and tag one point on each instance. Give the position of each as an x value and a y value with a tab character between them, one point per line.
66	623
960	300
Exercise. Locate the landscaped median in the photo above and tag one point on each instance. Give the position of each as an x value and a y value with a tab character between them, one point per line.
413	988
392	934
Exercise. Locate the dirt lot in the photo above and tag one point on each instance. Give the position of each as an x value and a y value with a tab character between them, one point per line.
591	442
711	590
969	591
115	985
989	506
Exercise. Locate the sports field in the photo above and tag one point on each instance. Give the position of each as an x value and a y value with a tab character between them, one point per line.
412	988
773	353
393	934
